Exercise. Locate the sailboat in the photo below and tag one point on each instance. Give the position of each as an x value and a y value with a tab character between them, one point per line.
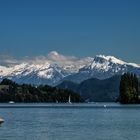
69	101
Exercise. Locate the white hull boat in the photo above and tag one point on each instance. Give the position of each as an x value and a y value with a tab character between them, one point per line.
1	121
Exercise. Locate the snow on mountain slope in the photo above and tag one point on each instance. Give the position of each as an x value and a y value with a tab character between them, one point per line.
34	73
106	63
103	67
55	68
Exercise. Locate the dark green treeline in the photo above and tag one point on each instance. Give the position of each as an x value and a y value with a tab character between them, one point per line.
11	91
129	89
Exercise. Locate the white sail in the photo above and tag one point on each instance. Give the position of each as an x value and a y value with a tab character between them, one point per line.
69	101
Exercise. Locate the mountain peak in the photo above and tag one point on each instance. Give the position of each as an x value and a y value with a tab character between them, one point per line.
103	58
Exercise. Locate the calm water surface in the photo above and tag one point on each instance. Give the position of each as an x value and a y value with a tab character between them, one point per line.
70	122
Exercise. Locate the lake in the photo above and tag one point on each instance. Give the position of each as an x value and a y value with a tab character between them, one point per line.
70	122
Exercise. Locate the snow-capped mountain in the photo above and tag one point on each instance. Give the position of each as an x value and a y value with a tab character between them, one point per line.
106	66
103	67
45	73
56	68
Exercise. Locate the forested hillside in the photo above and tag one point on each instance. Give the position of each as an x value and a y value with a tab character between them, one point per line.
11	91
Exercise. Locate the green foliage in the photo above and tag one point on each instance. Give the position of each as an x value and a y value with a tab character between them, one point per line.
10	91
129	89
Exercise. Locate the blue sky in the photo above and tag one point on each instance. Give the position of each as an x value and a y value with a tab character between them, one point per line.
71	27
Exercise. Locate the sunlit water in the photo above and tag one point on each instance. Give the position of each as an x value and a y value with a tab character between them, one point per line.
70	122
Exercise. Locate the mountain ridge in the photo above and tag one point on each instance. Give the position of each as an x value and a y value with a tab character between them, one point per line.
56	68
95	90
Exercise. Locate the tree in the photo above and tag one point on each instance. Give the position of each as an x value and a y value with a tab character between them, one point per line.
129	88
11	91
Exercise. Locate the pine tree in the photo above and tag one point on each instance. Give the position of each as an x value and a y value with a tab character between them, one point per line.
129	88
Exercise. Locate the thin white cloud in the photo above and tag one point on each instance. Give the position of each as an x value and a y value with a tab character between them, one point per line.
67	62
7	60
55	57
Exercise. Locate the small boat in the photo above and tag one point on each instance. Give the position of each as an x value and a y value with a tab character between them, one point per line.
1	121
11	102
